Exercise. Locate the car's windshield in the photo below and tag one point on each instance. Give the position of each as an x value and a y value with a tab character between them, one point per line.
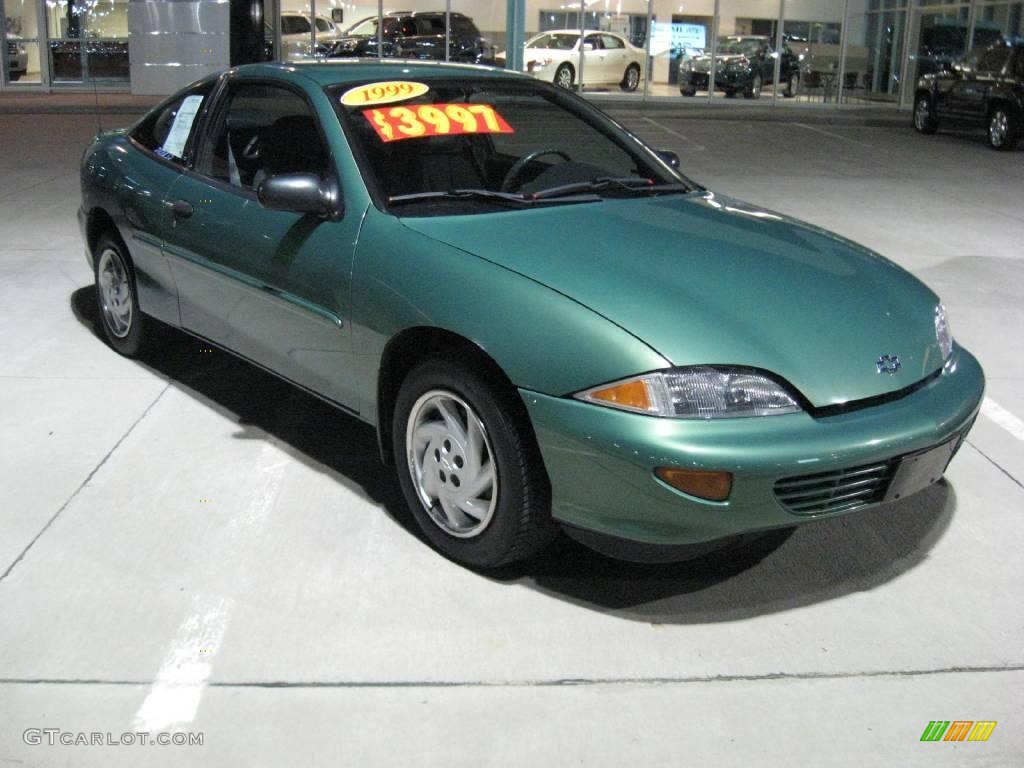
731	45
562	41
494	142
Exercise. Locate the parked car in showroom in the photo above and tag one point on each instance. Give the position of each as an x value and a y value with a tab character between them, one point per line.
17	58
297	35
548	326
608	59
984	88
415	35
743	64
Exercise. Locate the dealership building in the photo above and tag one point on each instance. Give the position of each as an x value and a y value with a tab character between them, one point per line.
847	52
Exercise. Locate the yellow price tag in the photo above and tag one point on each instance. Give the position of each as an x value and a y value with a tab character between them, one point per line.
383	93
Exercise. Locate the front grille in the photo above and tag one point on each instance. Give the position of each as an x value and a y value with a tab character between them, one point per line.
841	490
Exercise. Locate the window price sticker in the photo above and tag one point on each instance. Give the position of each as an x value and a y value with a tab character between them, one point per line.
419	121
383	93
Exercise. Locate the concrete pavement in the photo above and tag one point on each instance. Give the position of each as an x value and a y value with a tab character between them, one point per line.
189	545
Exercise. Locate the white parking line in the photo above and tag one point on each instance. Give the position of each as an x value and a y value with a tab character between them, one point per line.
694	147
174	698
995	412
829	133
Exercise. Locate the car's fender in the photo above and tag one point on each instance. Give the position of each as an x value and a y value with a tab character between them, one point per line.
541	339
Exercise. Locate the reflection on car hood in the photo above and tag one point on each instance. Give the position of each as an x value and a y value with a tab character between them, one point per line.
704	279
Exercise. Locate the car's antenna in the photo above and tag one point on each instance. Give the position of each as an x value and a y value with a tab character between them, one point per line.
96	99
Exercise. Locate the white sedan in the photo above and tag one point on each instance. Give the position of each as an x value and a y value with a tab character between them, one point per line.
607	59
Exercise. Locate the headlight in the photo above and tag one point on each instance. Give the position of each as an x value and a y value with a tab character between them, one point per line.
942	333
700	392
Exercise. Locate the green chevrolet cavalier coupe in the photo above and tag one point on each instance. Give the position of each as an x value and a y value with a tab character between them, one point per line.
549	326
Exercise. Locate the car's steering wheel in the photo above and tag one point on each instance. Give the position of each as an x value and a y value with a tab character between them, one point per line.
517	168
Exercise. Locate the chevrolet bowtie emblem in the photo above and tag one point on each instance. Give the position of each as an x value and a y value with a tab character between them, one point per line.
888	364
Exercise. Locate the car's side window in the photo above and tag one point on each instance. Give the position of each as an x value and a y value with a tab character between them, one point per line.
265	130
167	132
593	40
610	42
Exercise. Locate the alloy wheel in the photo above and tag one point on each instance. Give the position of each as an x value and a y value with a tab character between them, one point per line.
452	464
998	128
563	77
115	293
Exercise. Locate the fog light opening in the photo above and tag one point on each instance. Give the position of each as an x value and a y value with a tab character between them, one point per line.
704	484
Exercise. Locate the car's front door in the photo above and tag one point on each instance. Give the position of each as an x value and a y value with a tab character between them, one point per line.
595	70
272	286
971	95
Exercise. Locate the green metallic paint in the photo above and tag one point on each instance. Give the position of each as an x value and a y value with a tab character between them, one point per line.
601	461
708	280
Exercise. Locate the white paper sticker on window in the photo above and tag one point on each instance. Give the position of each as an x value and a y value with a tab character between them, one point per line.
176	139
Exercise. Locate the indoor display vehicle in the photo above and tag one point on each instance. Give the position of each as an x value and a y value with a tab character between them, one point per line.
414	35
17	58
549	326
985	88
743	64
608	59
297	35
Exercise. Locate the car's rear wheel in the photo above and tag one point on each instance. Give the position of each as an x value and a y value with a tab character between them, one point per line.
564	76
688	91
924	115
1003	128
469	467
630	80
754	91
117	296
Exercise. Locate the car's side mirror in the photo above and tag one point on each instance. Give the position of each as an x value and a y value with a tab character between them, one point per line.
670	158
300	193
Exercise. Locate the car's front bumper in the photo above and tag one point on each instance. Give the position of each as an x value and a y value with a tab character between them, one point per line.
724	81
601	461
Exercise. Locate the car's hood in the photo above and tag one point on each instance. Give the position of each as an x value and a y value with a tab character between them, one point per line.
704	279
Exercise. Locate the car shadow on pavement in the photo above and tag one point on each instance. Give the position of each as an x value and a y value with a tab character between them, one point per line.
776	571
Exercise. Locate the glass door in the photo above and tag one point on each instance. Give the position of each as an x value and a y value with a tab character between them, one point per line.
23	57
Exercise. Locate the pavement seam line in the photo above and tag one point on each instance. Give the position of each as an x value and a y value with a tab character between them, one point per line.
84	483
553	683
995	464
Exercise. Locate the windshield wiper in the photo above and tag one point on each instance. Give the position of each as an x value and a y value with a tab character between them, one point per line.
634	185
507	198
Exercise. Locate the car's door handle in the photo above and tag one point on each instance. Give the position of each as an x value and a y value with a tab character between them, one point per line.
182	209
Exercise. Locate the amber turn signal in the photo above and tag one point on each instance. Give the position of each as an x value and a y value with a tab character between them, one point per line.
713	486
629	394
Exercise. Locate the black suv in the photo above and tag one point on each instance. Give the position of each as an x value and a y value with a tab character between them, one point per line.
414	35
985	87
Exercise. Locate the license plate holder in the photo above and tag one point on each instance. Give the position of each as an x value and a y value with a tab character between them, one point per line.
917	471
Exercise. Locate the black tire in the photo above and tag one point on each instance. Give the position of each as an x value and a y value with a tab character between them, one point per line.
792	85
520	523
1003	128
730	93
14	77
631	79
565	76
924	120
754	91
124	325
688	91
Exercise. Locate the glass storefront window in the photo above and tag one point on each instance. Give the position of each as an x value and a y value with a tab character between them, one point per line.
998	21
812	53
23	41
88	40
875	34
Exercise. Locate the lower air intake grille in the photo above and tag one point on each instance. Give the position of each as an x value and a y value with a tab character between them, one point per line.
841	490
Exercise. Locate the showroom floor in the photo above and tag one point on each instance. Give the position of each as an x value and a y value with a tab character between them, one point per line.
187	544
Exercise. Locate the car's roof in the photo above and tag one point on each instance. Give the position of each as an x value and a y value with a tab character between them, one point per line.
361	69
576	32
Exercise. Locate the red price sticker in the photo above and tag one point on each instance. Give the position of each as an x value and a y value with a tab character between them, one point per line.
420	121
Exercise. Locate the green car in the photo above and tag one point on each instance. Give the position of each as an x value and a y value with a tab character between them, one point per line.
550	327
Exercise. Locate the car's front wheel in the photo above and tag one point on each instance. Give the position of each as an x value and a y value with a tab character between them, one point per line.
564	76
924	115
630	80
1003	128
469	467
117	296
792	85
754	91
